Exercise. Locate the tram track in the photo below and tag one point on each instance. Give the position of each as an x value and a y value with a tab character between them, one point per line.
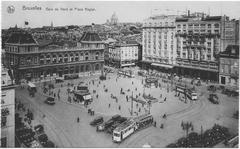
53	126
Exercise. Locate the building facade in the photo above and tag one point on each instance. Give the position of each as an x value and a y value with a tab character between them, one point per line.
124	54
7	110
32	61
229	66
159	42
199	42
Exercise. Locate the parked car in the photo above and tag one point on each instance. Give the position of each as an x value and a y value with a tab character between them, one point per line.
39	129
97	121
213	98
50	101
105	125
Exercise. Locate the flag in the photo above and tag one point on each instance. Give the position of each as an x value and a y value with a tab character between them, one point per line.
26	23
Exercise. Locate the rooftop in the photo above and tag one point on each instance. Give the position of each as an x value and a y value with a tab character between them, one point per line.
231	51
90	37
21	37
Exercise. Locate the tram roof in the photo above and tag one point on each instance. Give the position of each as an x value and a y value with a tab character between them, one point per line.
124	124
142	116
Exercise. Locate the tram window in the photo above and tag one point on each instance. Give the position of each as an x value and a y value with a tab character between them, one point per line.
116	134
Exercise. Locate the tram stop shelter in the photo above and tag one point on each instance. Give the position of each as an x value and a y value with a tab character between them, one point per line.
82	97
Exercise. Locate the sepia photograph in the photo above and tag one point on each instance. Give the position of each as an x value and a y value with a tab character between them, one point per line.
120	74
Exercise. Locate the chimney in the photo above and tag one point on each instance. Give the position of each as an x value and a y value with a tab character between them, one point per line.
188	13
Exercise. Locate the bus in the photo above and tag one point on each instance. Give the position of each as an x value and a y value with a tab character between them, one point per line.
124	130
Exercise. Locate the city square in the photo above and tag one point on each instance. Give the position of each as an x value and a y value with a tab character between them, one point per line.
61	118
135	74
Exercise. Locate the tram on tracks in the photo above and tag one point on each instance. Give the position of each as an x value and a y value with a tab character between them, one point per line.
131	126
188	92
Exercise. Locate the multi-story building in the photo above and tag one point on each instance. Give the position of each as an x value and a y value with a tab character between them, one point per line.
30	60
124	54
229	66
199	41
159	42
7	109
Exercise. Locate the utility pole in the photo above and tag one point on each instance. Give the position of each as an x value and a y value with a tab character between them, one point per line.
132	104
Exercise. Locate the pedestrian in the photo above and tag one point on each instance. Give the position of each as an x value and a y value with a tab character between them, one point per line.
119	107
109	105
78	120
165	98
155	124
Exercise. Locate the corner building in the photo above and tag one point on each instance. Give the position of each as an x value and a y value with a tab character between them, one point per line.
199	42
159	43
32	61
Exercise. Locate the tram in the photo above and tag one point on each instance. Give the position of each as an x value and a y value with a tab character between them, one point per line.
130	126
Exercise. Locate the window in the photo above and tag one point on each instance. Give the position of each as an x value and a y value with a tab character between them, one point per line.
41	59
4	121
81	56
48	59
60	58
86	57
71	57
216	25
65	58
209	50
29	60
22	61
54	59
35	60
76	57
216	31
4	142
208	57
209	25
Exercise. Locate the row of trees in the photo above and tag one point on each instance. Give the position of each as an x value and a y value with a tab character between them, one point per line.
209	138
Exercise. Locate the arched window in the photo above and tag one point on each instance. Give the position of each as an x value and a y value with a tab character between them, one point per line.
81	56
48	58
71	57
86	56
76	57
97	55
65	58
97	67
60	58
54	59
41	59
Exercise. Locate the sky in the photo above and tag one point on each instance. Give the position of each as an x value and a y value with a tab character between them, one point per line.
126	11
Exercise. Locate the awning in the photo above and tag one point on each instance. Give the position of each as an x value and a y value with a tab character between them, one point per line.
31	84
87	97
128	64
162	65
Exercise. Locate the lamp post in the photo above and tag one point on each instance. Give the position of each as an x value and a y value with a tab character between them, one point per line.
12	71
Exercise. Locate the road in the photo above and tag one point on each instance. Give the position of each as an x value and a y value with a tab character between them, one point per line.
66	132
